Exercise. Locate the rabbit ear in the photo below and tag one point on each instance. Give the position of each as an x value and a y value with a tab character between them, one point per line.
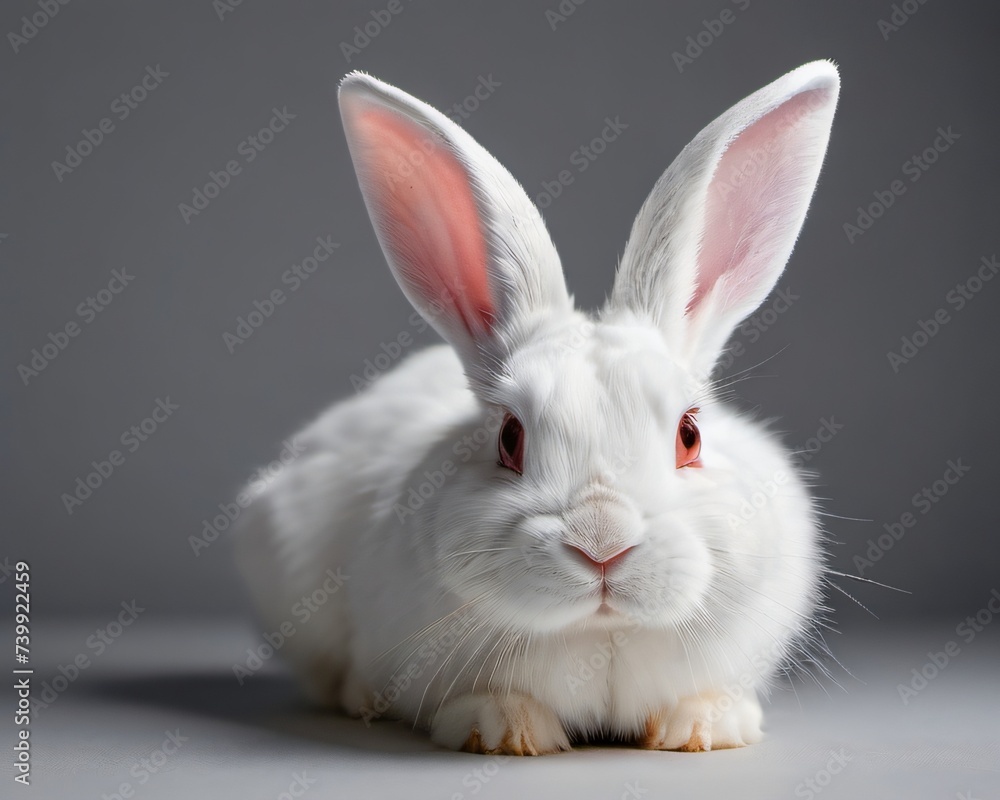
714	235
464	242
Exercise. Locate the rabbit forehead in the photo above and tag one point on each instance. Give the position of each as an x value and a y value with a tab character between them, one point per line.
598	377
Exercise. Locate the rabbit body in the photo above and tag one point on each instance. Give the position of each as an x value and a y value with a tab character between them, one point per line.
551	528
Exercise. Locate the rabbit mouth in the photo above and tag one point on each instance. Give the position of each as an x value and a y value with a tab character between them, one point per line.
605	609
610	604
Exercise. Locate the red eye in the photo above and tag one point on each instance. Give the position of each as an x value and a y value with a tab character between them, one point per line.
688	441
511	444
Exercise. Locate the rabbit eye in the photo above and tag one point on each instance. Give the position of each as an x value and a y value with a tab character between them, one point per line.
688	441
511	444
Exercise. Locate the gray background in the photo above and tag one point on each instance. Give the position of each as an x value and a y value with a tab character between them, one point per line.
162	337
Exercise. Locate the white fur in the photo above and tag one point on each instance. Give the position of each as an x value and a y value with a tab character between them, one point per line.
470	616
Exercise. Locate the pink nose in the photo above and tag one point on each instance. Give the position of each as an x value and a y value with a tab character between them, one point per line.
601	562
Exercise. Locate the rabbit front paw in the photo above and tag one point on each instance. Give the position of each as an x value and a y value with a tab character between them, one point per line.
513	725
704	722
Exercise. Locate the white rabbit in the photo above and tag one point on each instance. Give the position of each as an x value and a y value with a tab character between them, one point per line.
551	529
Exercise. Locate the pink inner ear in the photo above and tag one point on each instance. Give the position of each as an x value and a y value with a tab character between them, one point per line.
755	197
427	216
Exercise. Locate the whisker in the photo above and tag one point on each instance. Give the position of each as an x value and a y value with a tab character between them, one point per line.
473	552
838	516
867	580
843	591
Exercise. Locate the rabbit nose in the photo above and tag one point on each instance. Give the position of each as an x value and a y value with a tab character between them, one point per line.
602	528
602	561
